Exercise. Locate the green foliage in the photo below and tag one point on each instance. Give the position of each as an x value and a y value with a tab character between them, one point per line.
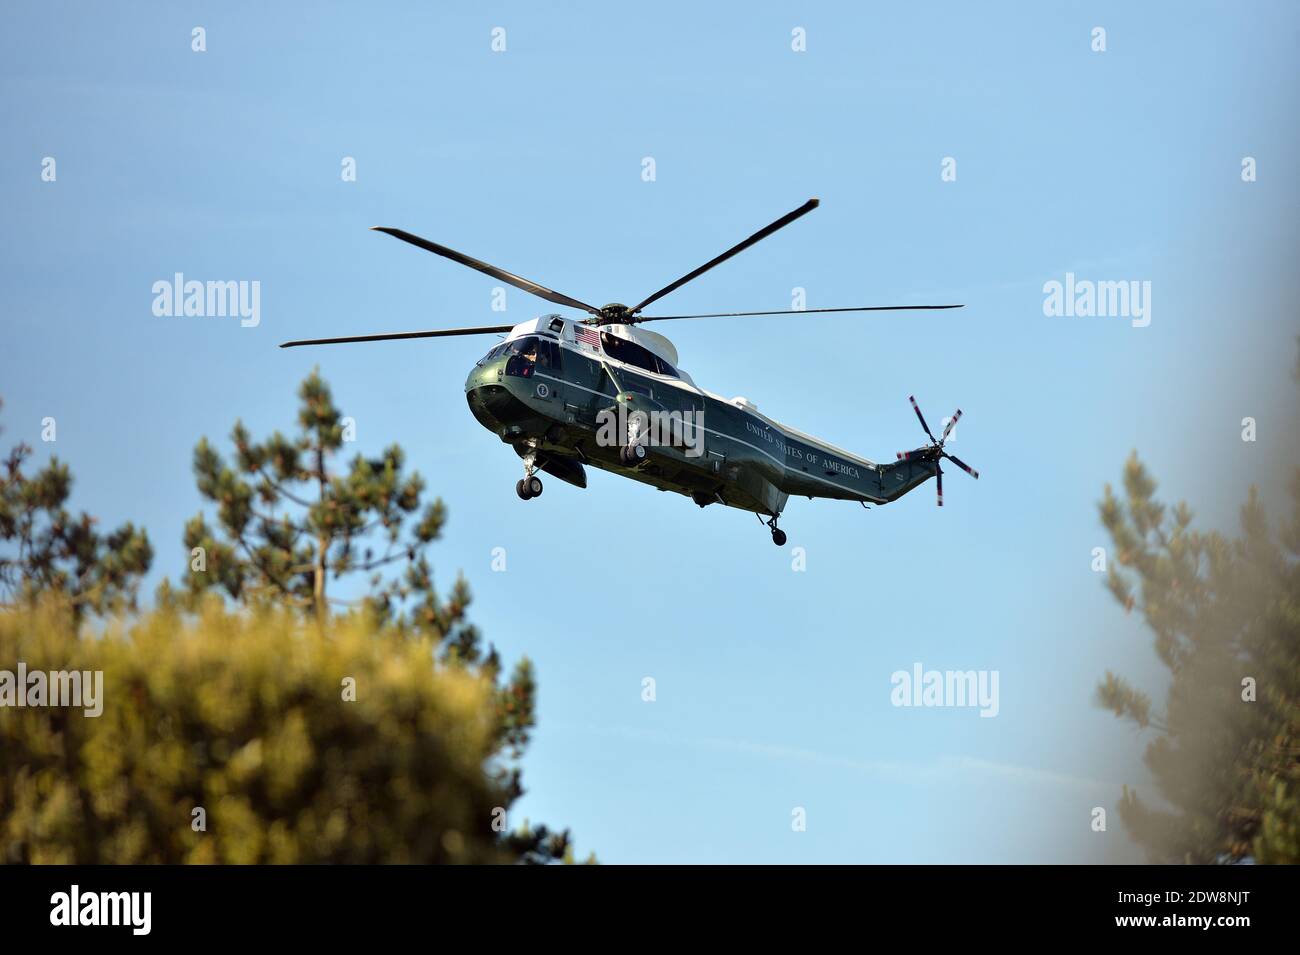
47	549
229	697
1222	611
244	715
288	522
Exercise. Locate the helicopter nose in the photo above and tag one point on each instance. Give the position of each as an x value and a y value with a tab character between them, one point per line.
489	405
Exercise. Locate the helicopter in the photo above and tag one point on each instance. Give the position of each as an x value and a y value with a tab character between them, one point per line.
602	391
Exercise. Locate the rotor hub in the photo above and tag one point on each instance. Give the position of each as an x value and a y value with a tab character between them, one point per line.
615	314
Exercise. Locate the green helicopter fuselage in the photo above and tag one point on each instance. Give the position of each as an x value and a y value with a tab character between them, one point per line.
565	394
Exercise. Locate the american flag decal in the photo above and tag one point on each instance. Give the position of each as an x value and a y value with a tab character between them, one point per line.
587	335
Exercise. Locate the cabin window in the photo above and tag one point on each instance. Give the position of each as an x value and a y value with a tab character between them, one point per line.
548	354
635	355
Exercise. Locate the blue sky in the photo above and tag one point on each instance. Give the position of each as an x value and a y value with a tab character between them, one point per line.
773	686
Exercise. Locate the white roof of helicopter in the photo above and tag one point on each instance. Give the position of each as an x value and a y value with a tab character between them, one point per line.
655	342
665	349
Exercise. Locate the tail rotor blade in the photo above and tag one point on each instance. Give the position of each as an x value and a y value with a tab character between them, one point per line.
920	417
938	476
963	465
952	423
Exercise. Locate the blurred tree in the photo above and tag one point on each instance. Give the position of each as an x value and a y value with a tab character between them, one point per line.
289	522
234	737
377	735
47	549
1226	618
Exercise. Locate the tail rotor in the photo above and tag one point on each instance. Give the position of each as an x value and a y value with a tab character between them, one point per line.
934	451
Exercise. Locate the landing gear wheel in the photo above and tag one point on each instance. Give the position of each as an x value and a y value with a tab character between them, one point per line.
534	487
632	454
778	535
521	488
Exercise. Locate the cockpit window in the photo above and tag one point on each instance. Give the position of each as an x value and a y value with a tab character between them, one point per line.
636	355
526	346
528	353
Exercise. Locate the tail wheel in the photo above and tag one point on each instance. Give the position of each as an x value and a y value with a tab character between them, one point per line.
521	488
534	487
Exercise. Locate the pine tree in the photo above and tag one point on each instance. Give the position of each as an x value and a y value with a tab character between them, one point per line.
49	549
1225	613
228	736
289	523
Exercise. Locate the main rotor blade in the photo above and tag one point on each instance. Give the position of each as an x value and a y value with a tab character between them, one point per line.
797	311
541	291
758	236
394	336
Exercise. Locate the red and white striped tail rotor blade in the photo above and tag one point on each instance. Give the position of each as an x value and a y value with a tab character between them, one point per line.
963	465
952	423
920	417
